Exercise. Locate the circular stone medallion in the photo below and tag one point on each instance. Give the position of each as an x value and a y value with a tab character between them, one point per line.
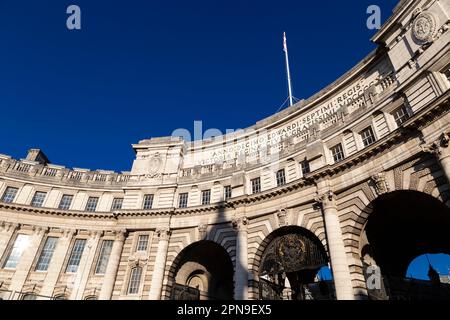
424	27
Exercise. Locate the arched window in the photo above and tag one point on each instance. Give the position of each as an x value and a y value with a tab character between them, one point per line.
29	296
60	297
91	298
135	280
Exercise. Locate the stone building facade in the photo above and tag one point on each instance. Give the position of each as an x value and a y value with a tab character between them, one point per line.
355	176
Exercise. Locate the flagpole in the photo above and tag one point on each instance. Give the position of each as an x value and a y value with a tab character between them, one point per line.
285	49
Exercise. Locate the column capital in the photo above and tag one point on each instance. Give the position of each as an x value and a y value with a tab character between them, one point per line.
120	235
439	147
326	199
163	233
240	224
9	226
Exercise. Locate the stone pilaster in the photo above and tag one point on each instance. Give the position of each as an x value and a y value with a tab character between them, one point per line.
336	247
56	264
241	273
440	148
163	236
83	272
7	230
113	265
24	266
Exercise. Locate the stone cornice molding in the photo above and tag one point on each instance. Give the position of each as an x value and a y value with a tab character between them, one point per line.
9	226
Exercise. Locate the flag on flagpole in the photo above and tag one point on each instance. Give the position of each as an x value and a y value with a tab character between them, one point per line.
284	42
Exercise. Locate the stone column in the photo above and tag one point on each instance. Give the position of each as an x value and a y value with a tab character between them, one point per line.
83	272
441	150
336	247
113	265
24	266
241	269
7	230
56	264
160	264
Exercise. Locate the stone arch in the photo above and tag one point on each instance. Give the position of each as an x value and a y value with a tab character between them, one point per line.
203	266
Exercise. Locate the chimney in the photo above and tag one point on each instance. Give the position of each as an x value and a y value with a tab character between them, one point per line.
38	156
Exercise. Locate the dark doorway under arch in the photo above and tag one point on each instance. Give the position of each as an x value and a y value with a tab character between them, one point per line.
203	271
289	266
402	226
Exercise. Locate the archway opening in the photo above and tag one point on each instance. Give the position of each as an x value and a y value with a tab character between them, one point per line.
292	267
204	272
403	226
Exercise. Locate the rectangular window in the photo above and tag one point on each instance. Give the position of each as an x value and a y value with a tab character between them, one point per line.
20	245
46	254
75	255
65	202
148	201
103	257
447	74
281	178
38	199
117	204
206	197
367	136
256	185
400	115
337	152
9	195
142	243
183	200
91	204
304	165
135	280
227	192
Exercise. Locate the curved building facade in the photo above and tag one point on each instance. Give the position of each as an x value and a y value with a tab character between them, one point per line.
355	178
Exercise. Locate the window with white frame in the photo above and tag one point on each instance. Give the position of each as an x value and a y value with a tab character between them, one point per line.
46	254
20	245
142	243
337	153
103	257
117	204
281	178
183	200
400	115
38	199
75	255
227	192
256	185
65	202
367	136
135	280
91	204
10	194
206	197
148	201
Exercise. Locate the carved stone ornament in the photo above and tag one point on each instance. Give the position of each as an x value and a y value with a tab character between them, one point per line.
163	233
326	199
282	218
154	166
424	27
381	185
202	229
239	223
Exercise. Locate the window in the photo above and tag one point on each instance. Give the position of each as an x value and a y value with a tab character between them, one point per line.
91	204
447	74
142	243
400	115
367	136
20	245
206	196
183	200
38	199
9	194
75	255
117	204
46	254
304	165
29	296
337	153
148	201
256	185
103	257
281	178
227	192
135	280
65	202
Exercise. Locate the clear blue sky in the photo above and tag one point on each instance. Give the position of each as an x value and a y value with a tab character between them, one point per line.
141	69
